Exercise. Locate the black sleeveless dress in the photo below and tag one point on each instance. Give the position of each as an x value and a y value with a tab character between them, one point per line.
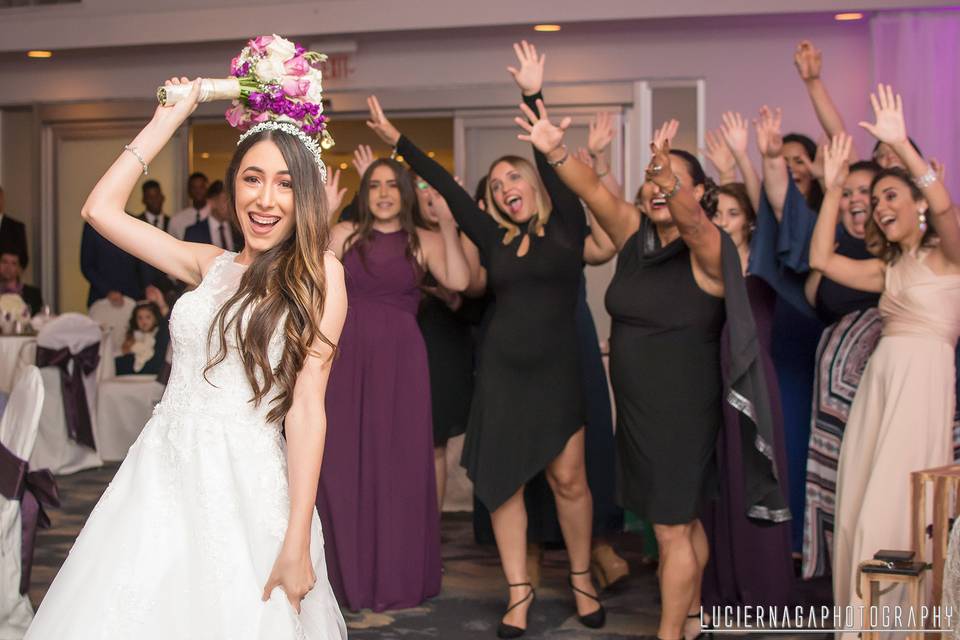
666	376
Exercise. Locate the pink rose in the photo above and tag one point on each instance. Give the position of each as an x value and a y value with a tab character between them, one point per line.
297	66
236	114
263	116
295	87
260	43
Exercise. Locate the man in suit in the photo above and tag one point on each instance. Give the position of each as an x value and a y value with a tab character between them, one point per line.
198	210
218	229
13	234
111	271
153	200
10	272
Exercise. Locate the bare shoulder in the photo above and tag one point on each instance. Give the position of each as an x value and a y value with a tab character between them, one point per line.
338	236
206	254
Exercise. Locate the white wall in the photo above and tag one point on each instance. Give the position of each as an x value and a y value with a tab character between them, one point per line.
102	23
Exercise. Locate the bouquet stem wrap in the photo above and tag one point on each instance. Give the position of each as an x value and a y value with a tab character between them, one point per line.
211	89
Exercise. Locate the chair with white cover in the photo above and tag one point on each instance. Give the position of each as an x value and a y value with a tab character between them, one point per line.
18	493
65	440
114	318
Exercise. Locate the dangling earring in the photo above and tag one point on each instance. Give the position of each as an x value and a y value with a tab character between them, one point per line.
923	222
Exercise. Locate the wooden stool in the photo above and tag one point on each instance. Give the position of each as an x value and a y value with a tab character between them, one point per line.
946	494
871	573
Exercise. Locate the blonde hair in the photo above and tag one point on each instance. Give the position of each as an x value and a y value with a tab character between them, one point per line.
544	206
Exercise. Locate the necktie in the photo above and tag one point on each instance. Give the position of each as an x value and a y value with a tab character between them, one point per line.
223	236
198	215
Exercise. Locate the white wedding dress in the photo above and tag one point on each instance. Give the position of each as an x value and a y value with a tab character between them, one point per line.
183	540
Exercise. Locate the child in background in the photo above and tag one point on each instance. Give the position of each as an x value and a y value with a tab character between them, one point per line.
146	343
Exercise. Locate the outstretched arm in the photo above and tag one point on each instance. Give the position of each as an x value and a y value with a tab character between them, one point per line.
618	217
865	275
720	156
104	208
736	135
891	128
809	63
481	227
598	141
305	428
776	178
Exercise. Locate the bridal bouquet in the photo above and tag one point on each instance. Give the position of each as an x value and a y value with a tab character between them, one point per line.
272	78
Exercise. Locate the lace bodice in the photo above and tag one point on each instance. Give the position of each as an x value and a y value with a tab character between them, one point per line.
224	392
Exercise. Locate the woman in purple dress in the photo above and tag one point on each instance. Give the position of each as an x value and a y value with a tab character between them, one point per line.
377	497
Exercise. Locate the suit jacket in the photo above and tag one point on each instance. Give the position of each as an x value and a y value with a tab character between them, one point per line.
31	295
200	232
150	274
13	238
108	268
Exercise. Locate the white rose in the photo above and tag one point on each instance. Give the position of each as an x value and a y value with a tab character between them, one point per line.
281	49
315	92
269	70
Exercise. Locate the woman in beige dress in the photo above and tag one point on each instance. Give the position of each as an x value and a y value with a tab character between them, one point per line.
901	417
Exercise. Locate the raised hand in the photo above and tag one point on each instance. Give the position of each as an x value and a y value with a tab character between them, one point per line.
362	158
379	123
333	191
808	60
769	138
543	134
735	132
888	109
658	170
836	160
666	132
601	133
719	154
440	209
529	77
177	114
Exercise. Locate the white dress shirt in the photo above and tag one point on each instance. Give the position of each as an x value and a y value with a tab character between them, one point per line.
187	218
224	240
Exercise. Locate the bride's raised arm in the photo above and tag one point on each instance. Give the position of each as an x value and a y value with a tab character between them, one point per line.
104	208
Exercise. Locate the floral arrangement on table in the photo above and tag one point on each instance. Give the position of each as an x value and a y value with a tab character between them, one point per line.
272	78
12	310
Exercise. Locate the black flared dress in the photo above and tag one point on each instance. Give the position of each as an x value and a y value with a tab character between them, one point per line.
527	399
665	371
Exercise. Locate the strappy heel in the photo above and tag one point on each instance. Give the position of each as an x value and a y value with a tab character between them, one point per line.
703	634
505	630
596	619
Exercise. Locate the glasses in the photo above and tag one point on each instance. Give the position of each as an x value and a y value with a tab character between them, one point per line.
422	185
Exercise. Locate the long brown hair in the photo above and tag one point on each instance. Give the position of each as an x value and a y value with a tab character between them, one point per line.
287	279
544	205
876	241
409	211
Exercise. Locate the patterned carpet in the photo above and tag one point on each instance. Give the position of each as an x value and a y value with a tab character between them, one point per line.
473	593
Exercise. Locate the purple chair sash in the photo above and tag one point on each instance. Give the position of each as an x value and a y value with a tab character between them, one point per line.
35	490
75	407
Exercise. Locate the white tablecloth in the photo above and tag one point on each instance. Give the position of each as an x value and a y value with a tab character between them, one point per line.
15	351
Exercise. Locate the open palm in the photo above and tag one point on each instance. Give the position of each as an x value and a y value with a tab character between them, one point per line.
529	77
888	109
543	134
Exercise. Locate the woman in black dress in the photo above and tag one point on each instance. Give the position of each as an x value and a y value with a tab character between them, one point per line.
678	279
527	411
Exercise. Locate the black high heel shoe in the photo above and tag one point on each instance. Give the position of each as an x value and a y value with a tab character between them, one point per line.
505	630
596	619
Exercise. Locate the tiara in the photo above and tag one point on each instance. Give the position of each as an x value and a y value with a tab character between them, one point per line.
278	125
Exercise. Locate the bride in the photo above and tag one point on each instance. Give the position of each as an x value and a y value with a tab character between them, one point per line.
208	530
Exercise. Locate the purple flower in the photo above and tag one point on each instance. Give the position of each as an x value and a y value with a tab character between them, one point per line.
299	50
257	100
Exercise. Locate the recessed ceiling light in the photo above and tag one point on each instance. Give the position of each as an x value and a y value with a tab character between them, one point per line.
431	154
845	17
399	158
546	27
205	155
39	54
343	166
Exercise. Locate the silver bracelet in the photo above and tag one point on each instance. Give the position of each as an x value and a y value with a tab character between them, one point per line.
926	179
136	153
557	163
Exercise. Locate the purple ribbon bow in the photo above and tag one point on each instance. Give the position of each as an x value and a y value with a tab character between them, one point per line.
75	407
35	490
